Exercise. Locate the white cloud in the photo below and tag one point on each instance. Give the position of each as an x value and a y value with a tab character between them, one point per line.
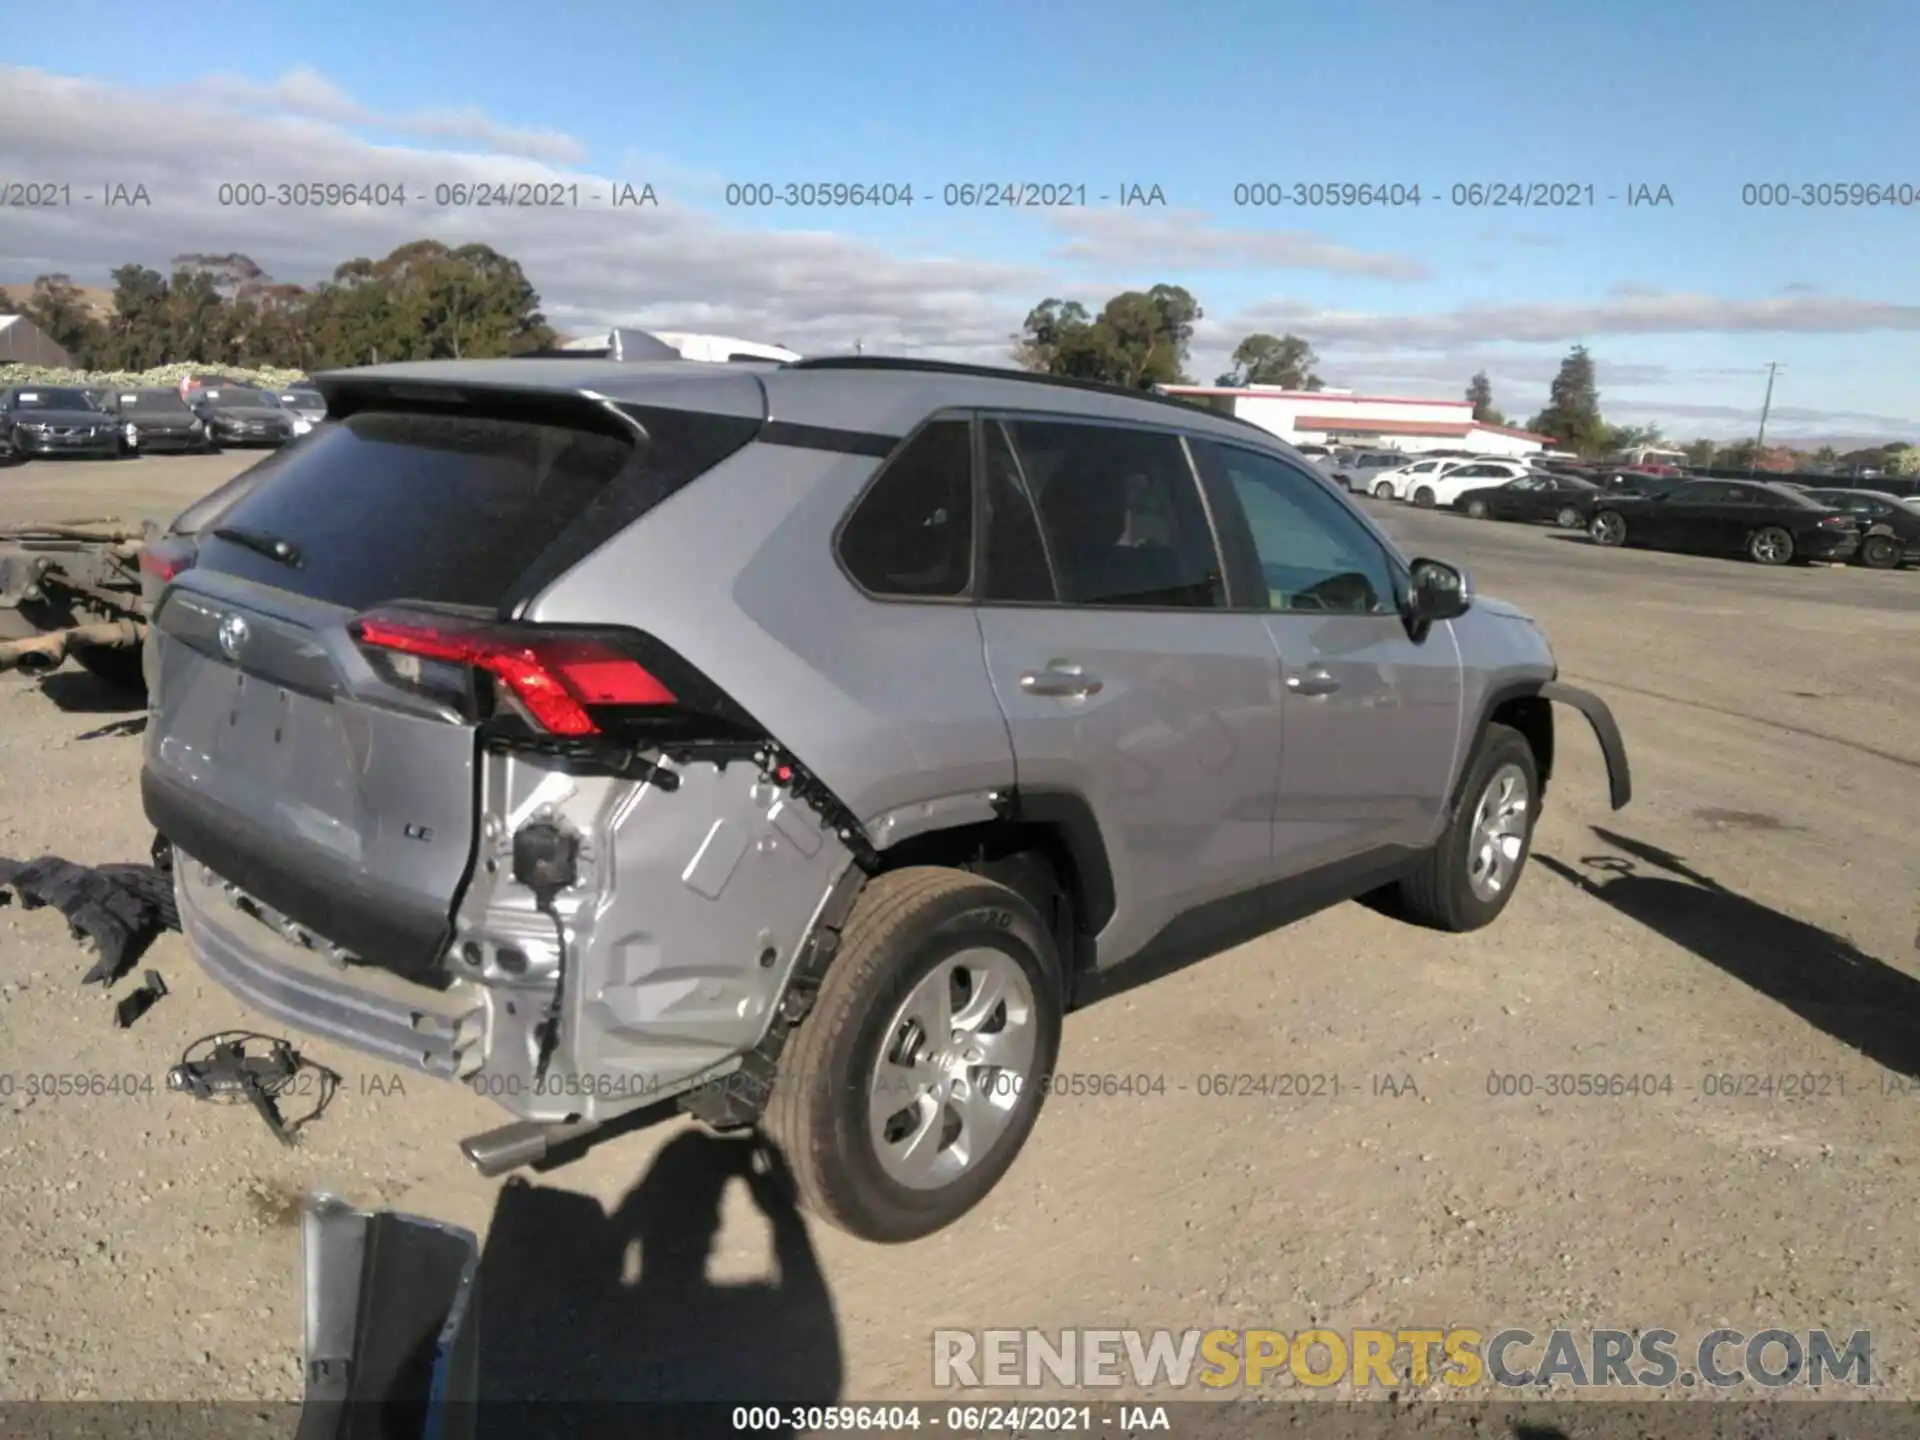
666	266
1638	311
307	93
1169	241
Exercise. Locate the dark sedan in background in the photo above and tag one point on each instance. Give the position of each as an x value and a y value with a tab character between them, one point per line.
1769	524
1891	525
155	420
47	420
1539	499
236	416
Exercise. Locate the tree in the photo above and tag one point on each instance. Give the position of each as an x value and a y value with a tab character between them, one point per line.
1904	460
1777	460
1700	453
1572	415
61	313
1283	360
1480	396
1741	455
1140	338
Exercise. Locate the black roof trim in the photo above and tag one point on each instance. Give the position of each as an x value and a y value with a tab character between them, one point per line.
909	364
824	437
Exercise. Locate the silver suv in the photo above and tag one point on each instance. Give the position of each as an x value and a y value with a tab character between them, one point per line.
794	744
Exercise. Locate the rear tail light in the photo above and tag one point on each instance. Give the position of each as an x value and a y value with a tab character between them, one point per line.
562	679
1838	522
164	559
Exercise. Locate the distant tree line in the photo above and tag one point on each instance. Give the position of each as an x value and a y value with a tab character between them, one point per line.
1141	338
425	301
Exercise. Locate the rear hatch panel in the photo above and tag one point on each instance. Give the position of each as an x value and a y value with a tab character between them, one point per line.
279	755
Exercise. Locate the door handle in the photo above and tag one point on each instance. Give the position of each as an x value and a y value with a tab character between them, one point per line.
1313	682
1066	681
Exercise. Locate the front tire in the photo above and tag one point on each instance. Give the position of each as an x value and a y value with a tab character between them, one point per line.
1770	545
1466	880
1609	528
1477	509
914	1082
1568	518
1423	497
1383	491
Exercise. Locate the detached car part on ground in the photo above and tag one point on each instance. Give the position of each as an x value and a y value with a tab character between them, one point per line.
668	746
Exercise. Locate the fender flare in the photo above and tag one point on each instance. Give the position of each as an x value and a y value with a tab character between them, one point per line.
1606	730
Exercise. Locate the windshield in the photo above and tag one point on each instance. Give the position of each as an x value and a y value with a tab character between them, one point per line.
237	399
310	399
53	400
153	400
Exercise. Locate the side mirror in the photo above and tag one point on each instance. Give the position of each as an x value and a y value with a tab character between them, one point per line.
1439	592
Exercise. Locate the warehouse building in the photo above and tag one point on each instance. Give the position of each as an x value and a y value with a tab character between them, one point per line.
1340	417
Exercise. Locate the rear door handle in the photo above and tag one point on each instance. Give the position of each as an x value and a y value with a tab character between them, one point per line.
1065	681
1313	682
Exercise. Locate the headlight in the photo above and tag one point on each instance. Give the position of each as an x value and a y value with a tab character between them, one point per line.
301	427
31	428
130	430
195	426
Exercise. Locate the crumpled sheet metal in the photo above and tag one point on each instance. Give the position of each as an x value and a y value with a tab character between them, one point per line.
118	909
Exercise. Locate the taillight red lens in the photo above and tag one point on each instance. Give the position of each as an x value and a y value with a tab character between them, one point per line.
164	561
558	677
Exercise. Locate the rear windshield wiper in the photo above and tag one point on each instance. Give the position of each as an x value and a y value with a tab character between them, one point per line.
261	543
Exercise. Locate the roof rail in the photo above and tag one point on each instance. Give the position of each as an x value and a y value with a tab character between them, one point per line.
994	372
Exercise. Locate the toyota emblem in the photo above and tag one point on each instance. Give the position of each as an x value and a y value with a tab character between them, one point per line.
233	634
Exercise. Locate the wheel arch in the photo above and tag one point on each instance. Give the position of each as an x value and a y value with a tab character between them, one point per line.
1521	705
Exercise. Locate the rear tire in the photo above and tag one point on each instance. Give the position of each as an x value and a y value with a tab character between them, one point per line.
1383	491
1609	528
1880	552
1477	509
1770	545
1466	880
1568	518
881	998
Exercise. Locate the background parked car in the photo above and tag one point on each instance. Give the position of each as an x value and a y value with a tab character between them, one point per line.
57	420
1444	485
1360	468
1559	499
158	419
239	416
1394	484
1891	525
1769	524
1634	482
303	400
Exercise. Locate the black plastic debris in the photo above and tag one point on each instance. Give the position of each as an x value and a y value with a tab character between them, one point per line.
133	1006
118	908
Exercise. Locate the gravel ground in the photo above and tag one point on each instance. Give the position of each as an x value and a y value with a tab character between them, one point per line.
1752	913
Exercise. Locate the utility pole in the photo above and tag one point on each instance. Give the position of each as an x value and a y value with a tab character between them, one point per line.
1760	442
859	347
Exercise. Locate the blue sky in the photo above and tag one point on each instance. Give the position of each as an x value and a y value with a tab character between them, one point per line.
1701	98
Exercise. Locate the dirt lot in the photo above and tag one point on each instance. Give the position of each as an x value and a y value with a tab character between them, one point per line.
1752	914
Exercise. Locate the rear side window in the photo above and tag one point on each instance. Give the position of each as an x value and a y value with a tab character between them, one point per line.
455	509
1121	514
911	535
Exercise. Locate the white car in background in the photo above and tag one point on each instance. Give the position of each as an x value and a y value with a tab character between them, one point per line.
1446	486
1399	483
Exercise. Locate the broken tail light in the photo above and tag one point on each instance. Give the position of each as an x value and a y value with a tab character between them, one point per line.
1838	522
564	680
164	559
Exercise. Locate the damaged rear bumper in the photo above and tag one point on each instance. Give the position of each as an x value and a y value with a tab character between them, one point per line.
1606	730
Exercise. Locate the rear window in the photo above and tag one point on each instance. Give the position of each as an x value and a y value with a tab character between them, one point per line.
457	509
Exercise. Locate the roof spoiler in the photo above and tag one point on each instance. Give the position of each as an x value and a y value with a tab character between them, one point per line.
620	345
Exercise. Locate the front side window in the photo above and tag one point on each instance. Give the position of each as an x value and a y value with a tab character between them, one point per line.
1315	556
911	535
1120	516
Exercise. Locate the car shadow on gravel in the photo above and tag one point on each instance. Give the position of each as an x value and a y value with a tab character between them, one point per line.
609	1312
80	692
1823	978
